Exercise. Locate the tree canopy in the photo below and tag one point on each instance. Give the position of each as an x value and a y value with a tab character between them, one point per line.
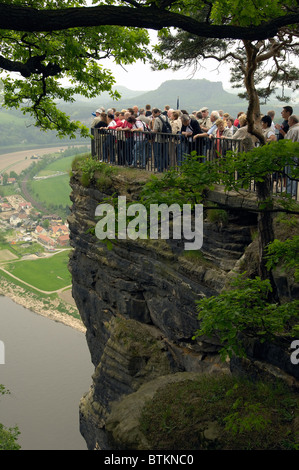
45	43
258	65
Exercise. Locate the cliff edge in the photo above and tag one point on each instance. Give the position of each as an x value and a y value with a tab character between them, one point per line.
137	301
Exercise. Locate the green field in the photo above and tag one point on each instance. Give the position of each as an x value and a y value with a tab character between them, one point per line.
48	274
52	192
20	249
61	164
8	190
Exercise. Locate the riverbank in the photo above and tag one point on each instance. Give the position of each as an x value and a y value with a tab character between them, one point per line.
49	308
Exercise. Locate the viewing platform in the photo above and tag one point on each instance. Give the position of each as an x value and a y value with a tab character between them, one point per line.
158	152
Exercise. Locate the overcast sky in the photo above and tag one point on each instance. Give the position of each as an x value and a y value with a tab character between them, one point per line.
140	76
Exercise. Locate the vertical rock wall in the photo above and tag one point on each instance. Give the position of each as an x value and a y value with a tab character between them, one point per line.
137	301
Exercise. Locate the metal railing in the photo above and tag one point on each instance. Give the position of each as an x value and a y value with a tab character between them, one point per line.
157	152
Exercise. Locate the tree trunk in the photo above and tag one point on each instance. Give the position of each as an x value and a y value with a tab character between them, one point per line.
265	232
264	191
253	111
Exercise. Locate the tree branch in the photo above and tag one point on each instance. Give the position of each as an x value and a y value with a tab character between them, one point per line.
20	18
33	65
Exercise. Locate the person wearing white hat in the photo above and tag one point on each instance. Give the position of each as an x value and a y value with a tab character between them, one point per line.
97	117
205	121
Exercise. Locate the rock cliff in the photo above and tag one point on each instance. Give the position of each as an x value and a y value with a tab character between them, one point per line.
137	301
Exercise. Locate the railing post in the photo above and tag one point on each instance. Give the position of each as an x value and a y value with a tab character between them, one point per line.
92	142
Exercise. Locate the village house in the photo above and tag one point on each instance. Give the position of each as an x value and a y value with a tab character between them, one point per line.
53	218
39	230
29	225
58	230
15	220
5	207
11	180
63	240
46	241
25	206
23	216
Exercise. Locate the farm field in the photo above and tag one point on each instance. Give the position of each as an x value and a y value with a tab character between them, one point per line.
17	161
62	164
7	255
47	274
55	191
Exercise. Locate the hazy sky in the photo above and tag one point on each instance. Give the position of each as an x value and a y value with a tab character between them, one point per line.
140	76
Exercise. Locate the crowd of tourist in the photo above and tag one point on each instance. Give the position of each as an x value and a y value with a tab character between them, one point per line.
132	136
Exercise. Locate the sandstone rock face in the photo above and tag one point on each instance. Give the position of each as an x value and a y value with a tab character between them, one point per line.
137	301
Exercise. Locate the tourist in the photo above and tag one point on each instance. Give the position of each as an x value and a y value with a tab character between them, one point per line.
220	133
138	151
148	112
135	111
161	143
242	133
129	138
283	128
271	113
293	135
121	139
237	122
100	124
293	132
268	132
109	142
205	123
176	126
230	124
213	117
190	128
142	117
97	118
166	109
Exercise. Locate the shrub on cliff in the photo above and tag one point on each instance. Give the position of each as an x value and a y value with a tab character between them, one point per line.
244	308
222	413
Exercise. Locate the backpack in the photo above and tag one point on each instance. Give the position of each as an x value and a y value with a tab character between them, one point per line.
166	127
147	132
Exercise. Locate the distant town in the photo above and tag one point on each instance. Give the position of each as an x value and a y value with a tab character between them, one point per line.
29	225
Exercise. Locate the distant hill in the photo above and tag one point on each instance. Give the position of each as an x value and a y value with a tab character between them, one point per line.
18	130
105	98
191	95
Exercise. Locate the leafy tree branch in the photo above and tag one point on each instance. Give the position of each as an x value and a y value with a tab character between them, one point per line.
139	14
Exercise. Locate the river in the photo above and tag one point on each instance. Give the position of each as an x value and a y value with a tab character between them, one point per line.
47	370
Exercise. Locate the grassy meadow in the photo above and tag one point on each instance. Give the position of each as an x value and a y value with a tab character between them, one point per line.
52	192
48	274
61	164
